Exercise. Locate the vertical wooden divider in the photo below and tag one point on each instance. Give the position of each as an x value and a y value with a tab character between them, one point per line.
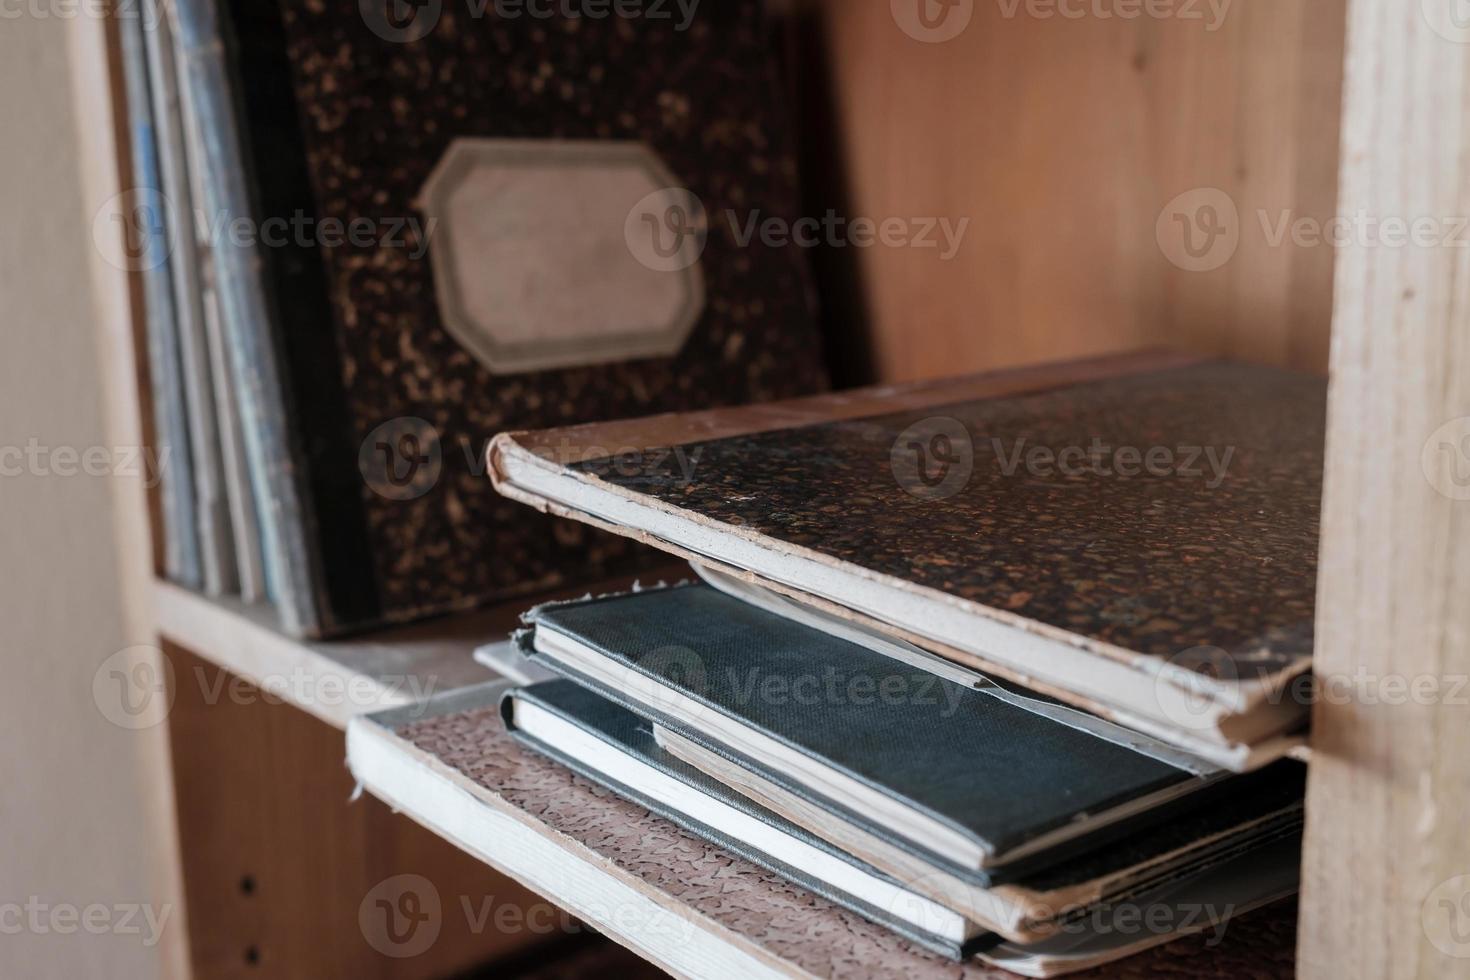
1387	867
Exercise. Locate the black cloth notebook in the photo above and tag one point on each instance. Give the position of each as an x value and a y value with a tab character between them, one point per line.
627	746
1000	776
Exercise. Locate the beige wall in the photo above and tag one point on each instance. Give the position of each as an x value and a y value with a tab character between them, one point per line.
83	814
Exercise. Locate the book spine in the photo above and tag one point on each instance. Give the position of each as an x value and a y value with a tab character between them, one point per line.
244	512
149	244
249	329
216	545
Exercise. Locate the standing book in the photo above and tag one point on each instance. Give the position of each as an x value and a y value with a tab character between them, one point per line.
496	221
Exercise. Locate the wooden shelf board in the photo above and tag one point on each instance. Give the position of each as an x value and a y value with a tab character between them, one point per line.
332	680
335	680
680	902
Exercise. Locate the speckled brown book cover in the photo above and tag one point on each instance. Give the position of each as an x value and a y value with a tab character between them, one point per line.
348	114
1156	512
1150	511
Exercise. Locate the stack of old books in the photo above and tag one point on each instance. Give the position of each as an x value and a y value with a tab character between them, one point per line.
1007	664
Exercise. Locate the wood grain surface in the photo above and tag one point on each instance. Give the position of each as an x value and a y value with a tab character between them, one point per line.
1387	866
1063	139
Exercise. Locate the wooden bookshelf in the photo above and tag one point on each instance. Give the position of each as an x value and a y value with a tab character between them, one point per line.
1063	140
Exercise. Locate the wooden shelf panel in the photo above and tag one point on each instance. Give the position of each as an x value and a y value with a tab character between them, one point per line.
336	680
684	904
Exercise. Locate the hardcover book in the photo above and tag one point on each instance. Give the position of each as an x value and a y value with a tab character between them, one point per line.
610	745
498	220
1136	535
615	747
146	247
219	574
977	777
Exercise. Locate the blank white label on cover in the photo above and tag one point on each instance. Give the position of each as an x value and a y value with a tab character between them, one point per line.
559	254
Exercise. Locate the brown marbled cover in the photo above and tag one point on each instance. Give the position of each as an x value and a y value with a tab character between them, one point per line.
1156	564
376	118
789	923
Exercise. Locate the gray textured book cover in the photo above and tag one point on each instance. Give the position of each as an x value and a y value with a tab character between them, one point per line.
976	760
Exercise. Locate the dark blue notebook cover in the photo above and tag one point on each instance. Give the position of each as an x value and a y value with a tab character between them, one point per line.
996	772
